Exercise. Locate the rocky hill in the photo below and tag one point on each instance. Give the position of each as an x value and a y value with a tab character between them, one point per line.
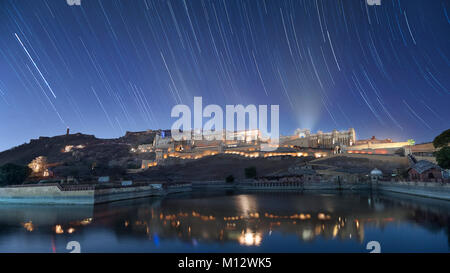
85	156
51	147
361	164
79	154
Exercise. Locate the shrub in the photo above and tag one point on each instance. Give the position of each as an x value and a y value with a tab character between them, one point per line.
443	157
133	165
12	174
442	140
250	172
229	179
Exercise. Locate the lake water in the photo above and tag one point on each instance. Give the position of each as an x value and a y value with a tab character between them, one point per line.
233	222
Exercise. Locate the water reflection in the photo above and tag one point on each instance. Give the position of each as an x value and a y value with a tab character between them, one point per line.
234	221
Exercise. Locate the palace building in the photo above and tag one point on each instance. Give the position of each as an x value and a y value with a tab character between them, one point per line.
196	144
331	140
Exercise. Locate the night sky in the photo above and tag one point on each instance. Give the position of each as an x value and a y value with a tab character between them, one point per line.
111	66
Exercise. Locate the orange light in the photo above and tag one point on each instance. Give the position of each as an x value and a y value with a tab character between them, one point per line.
28	226
58	229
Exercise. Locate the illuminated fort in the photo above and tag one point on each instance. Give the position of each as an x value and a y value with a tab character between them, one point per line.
330	140
196	144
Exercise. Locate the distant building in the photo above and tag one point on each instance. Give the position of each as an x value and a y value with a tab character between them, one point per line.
196	144
303	138
163	140
376	175
423	150
145	148
103	179
377	146
373	140
425	171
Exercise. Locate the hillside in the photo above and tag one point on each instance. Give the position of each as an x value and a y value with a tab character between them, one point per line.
218	167
78	154
85	156
361	164
50	147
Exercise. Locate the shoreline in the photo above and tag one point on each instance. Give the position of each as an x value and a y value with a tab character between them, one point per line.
424	189
81	195
437	191
55	194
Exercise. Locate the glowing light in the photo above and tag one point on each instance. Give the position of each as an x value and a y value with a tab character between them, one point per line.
28	226
86	221
335	230
58	229
250	239
307	234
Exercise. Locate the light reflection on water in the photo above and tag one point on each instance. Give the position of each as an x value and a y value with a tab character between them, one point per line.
233	222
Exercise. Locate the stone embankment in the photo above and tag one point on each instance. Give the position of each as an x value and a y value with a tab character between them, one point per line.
90	195
74	195
424	189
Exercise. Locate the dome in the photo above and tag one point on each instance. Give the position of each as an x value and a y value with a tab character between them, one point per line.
376	172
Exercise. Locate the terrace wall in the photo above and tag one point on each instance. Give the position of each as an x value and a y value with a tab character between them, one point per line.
425	189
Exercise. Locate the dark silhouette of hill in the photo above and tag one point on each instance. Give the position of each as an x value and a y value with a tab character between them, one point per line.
51	147
106	156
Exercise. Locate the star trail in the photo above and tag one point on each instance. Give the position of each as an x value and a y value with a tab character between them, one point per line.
109	66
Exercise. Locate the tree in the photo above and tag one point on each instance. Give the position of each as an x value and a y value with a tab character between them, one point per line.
411	142
116	171
250	172
442	140
443	157
12	174
74	171
229	179
443	153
